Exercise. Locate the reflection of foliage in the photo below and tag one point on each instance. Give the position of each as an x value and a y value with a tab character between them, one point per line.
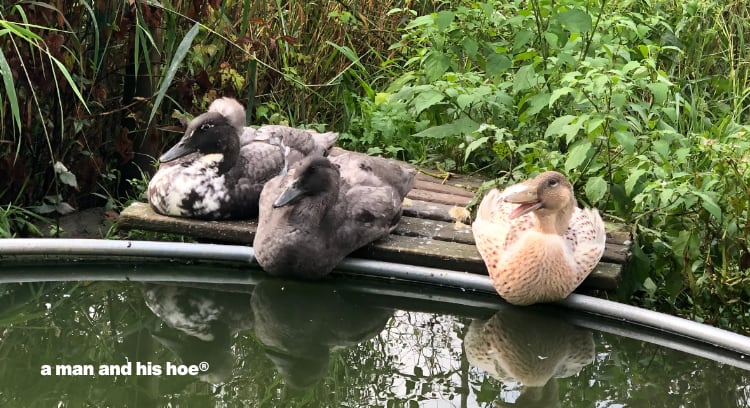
416	358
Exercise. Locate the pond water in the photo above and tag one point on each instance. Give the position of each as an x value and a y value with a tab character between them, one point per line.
344	342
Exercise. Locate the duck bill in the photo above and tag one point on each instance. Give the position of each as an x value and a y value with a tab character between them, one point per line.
177	151
287	196
523	194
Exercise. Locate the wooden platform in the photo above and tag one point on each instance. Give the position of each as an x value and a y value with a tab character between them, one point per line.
427	235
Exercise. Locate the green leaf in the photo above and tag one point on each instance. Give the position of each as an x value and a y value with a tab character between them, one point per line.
444	19
709	204
10	89
420	21
69	179
632	180
179	55
626	139
537	103
522	38
618	99
577	155
555	128
497	64
464	100
435	65
595	189
660	91
70	80
470	47
474	145
426	99
460	126
559	92
662	148
525	78
577	21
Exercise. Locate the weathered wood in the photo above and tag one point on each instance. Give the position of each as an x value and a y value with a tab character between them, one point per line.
432	243
428	185
141	216
439	230
427	210
441	198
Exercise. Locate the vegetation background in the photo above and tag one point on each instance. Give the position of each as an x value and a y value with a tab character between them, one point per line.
644	104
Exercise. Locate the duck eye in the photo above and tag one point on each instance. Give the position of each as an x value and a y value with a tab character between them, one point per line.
207	126
553	183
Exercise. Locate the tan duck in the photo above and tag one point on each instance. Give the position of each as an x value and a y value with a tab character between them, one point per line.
537	244
529	346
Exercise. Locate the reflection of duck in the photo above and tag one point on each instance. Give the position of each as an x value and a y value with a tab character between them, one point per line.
526	346
218	169
204	322
300	322
324	209
537	244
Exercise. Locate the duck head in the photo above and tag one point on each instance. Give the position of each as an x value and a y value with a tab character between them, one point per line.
548	195
208	133
313	176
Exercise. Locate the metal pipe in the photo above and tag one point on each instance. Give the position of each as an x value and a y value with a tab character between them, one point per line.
461	280
101	247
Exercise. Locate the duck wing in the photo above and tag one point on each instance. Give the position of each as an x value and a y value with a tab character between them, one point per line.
374	190
360	169
296	143
586	238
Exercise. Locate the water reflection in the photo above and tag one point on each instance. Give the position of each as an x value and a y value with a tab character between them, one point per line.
332	344
300	322
200	325
531	348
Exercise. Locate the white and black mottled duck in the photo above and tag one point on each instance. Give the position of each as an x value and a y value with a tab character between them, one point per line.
325	208
218	169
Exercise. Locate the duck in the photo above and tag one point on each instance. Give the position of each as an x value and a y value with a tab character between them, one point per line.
532	347
299	335
218	168
325	208
537	244
200	324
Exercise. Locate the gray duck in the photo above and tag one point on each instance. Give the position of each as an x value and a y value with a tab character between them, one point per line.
325	208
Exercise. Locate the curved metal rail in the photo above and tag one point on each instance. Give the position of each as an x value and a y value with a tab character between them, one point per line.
25	249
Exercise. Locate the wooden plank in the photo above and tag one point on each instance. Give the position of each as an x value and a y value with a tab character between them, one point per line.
463	258
420	184
441	198
141	216
427	210
431	243
438	230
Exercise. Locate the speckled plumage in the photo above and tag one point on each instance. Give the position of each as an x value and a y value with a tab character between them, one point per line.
523	345
214	173
538	254
337	205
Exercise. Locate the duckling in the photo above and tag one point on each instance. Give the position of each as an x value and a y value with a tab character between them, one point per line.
212	173
324	209
537	244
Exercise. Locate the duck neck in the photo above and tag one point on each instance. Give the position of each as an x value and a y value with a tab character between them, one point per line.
315	208
555	222
230	153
